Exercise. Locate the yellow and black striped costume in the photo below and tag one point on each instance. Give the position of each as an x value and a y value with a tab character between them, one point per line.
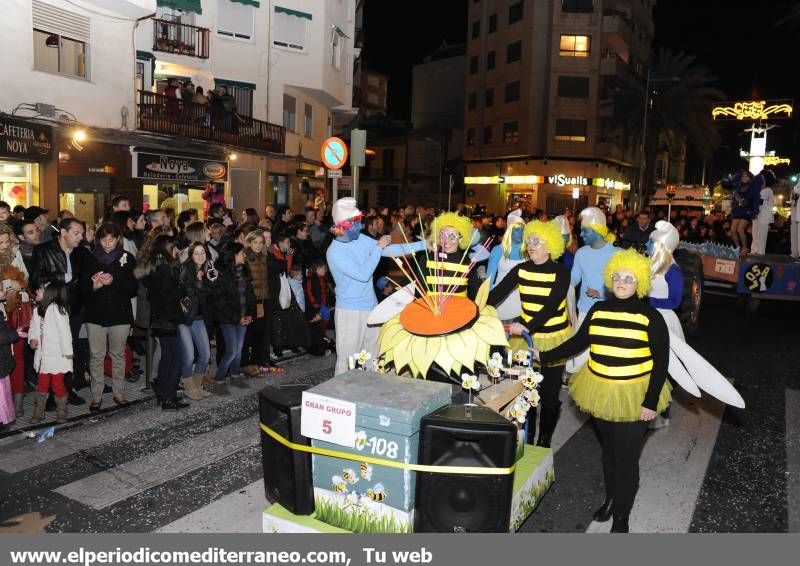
628	346
543	294
447	273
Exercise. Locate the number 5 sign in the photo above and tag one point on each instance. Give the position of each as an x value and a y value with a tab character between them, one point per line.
331	420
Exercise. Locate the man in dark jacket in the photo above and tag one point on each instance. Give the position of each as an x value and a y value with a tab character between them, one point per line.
639	233
62	260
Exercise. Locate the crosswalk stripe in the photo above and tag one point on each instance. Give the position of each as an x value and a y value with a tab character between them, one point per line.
237	512
793	458
105	488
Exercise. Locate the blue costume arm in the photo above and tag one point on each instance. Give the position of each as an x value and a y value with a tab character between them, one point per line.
349	266
494	263
674	277
575	274
397	250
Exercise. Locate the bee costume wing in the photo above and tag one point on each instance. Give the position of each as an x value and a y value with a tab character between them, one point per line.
702	373
677	371
572	307
391	306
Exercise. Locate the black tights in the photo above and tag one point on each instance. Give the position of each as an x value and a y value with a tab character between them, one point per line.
622	445
550	386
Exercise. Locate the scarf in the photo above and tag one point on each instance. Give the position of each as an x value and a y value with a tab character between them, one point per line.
106	259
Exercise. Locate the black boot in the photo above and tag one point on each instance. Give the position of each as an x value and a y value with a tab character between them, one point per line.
173	405
74	398
548	425
531	420
50	404
620	525
605	511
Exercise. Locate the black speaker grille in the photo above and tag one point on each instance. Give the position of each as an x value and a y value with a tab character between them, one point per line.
469	504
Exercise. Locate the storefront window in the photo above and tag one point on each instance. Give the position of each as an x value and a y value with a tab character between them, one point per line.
279	184
18	182
177	196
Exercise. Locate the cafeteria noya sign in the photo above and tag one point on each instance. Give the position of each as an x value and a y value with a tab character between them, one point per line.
25	140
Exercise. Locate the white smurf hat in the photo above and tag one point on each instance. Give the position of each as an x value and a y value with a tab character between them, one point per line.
344	209
667	234
563	223
593	215
514	217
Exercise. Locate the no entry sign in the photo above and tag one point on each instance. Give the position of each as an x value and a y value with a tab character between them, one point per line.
334	153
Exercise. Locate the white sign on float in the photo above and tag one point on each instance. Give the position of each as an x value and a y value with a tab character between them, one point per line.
329	420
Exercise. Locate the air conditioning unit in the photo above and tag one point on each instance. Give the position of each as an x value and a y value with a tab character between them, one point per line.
45	109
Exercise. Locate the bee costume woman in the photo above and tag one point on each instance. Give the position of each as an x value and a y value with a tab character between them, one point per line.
543	286
624	383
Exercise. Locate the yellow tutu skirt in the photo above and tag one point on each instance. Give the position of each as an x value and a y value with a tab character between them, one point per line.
544	342
611	399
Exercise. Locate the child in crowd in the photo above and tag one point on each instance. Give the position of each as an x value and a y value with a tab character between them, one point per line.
296	285
7	337
318	313
50	337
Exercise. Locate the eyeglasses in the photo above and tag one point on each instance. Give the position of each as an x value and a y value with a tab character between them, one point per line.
534	242
627	279
450	236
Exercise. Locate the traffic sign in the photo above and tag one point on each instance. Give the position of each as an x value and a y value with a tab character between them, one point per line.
334	173
334	153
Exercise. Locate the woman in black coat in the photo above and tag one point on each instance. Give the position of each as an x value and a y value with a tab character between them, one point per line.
234	310
108	288
158	272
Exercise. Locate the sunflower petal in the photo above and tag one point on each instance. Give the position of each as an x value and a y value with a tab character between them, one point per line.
402	354
483	294
490	329
444	359
391	334
423	352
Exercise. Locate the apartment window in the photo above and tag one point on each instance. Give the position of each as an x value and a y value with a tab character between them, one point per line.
573	87
472	101
570	130
280	188
487	135
574	46
514	51
308	121
488	98
490	60
388	164
473	65
336	47
289	112
242	93
515	12
493	23
288	28
235	20
577	6
470	136
511	132
60	41
476	29
512	92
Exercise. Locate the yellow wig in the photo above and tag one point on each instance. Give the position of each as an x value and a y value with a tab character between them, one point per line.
601	229
550	232
506	242
462	224
633	261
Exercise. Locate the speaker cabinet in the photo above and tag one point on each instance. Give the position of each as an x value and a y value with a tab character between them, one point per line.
465	435
287	473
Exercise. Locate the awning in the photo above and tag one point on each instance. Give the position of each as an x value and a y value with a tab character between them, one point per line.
184	5
339	30
145	55
228	82
290	12
255	3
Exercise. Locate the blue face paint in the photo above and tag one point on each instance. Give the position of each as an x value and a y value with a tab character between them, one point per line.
352	234
590	237
516	234
651	247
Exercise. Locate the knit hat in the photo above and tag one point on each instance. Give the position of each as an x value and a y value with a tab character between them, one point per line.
514	217
667	234
344	209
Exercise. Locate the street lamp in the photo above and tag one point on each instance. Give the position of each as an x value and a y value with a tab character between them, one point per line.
642	161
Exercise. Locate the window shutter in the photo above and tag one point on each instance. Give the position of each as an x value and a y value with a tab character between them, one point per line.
235	19
289	30
62	22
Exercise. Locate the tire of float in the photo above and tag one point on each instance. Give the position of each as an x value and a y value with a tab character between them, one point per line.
691	302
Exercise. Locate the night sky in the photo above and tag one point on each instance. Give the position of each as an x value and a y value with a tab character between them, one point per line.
738	42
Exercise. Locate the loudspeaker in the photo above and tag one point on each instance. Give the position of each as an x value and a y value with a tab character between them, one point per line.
287	472
465	435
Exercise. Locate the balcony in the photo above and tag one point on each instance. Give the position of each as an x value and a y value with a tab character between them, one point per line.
611	64
164	115
180	39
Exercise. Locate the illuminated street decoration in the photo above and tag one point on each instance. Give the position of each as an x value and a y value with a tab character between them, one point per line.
753	110
776	160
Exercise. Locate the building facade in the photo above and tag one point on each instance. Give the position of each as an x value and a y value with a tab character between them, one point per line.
540	129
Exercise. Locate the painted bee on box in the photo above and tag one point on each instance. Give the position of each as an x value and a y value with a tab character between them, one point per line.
339	486
349	476
361	440
366	471
351	500
376	493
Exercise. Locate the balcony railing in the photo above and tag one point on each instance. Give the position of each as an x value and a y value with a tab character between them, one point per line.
181	39
165	115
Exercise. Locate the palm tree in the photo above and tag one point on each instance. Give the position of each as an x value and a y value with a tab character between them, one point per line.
791	19
681	97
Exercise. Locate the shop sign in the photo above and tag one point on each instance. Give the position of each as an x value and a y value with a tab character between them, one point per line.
178	168
562	180
25	140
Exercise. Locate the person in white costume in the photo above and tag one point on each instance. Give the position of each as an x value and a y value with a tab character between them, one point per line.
795	221
503	258
765	216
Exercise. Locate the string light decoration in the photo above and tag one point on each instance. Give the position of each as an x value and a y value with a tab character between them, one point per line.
753	110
